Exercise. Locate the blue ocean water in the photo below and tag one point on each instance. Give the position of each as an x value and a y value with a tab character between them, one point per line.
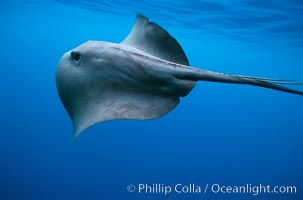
230	135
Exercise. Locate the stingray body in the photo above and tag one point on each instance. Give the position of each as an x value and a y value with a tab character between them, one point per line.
143	77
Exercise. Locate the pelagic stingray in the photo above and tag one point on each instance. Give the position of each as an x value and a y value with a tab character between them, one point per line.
143	77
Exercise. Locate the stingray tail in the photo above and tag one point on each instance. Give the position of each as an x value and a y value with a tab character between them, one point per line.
205	75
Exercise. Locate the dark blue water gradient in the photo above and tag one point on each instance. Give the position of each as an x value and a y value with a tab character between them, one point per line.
225	134
254	20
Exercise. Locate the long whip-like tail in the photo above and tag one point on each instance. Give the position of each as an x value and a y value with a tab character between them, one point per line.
205	75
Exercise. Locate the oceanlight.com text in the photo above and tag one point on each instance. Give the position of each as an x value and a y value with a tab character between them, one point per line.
194	188
253	189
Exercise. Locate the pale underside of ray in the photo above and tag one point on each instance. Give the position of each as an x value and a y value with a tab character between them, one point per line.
141	78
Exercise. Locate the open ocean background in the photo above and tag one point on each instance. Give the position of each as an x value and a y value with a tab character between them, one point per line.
220	133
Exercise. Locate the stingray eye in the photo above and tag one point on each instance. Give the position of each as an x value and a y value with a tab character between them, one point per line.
75	55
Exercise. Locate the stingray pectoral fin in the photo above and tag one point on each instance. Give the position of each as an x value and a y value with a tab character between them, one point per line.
205	75
151	38
120	104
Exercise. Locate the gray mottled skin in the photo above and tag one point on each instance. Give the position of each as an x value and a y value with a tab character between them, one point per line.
141	78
